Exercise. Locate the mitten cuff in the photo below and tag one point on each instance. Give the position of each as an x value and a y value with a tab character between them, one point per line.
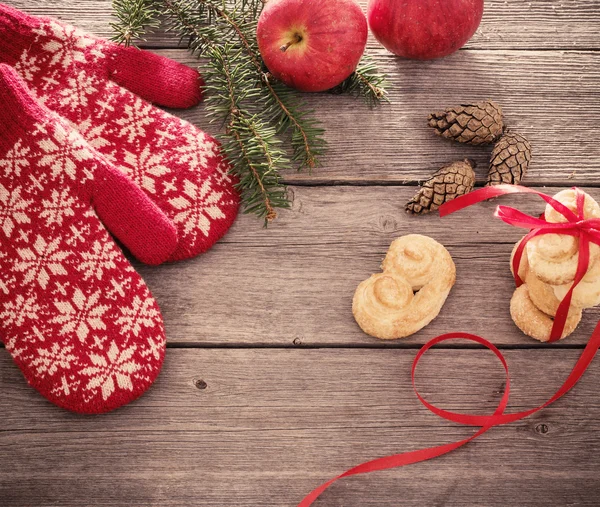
16	33
19	110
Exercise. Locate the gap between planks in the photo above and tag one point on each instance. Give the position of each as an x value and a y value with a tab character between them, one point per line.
269	427
533	23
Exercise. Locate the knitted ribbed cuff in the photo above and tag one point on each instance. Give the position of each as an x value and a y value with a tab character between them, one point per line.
16	33
19	110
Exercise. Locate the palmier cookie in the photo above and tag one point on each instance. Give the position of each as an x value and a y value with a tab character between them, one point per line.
418	274
554	257
535	323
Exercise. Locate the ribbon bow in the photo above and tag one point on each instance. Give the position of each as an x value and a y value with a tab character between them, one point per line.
587	230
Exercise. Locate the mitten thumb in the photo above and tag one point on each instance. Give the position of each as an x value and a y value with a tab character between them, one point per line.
131	216
155	78
123	207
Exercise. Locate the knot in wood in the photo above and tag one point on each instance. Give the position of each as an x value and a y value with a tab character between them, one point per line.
388	223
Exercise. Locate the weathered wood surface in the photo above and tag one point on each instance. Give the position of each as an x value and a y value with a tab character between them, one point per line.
273	424
514	24
294	282
549	96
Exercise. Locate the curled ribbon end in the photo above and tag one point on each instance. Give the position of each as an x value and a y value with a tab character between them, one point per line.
485	422
576	225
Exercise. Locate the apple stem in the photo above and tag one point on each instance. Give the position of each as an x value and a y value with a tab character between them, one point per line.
297	38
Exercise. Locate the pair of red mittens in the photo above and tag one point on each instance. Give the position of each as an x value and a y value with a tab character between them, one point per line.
78	150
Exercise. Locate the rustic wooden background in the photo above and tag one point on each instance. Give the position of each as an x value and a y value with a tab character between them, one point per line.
269	387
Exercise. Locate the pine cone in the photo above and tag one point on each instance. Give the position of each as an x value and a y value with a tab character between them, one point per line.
448	183
476	124
510	160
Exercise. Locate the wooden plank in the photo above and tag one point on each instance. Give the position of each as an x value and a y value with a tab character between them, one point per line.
273	424
518	24
549	96
293	282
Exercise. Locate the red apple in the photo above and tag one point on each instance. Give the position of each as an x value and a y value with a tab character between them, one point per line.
424	29
312	45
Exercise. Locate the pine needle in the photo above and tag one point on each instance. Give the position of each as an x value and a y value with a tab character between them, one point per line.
255	110
134	19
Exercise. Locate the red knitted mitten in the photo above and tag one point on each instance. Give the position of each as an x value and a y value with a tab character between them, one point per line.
97	86
78	320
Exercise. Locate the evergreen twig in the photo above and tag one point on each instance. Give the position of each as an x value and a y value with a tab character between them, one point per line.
134	19
365	82
254	108
251	144
281	105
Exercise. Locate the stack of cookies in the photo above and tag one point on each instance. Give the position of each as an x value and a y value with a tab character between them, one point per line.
548	267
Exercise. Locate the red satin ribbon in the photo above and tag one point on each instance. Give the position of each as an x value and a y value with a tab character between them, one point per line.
587	231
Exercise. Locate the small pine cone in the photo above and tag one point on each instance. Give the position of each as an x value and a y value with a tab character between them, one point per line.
510	160
475	124
448	183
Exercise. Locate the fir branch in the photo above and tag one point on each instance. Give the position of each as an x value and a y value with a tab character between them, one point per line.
307	139
261	188
254	153
253	6
189	24
255	109
365	82
288	112
134	19
251	147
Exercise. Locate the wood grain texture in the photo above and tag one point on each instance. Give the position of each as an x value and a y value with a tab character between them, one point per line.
551	97
515	24
294	282
272	425
548	96
275	422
